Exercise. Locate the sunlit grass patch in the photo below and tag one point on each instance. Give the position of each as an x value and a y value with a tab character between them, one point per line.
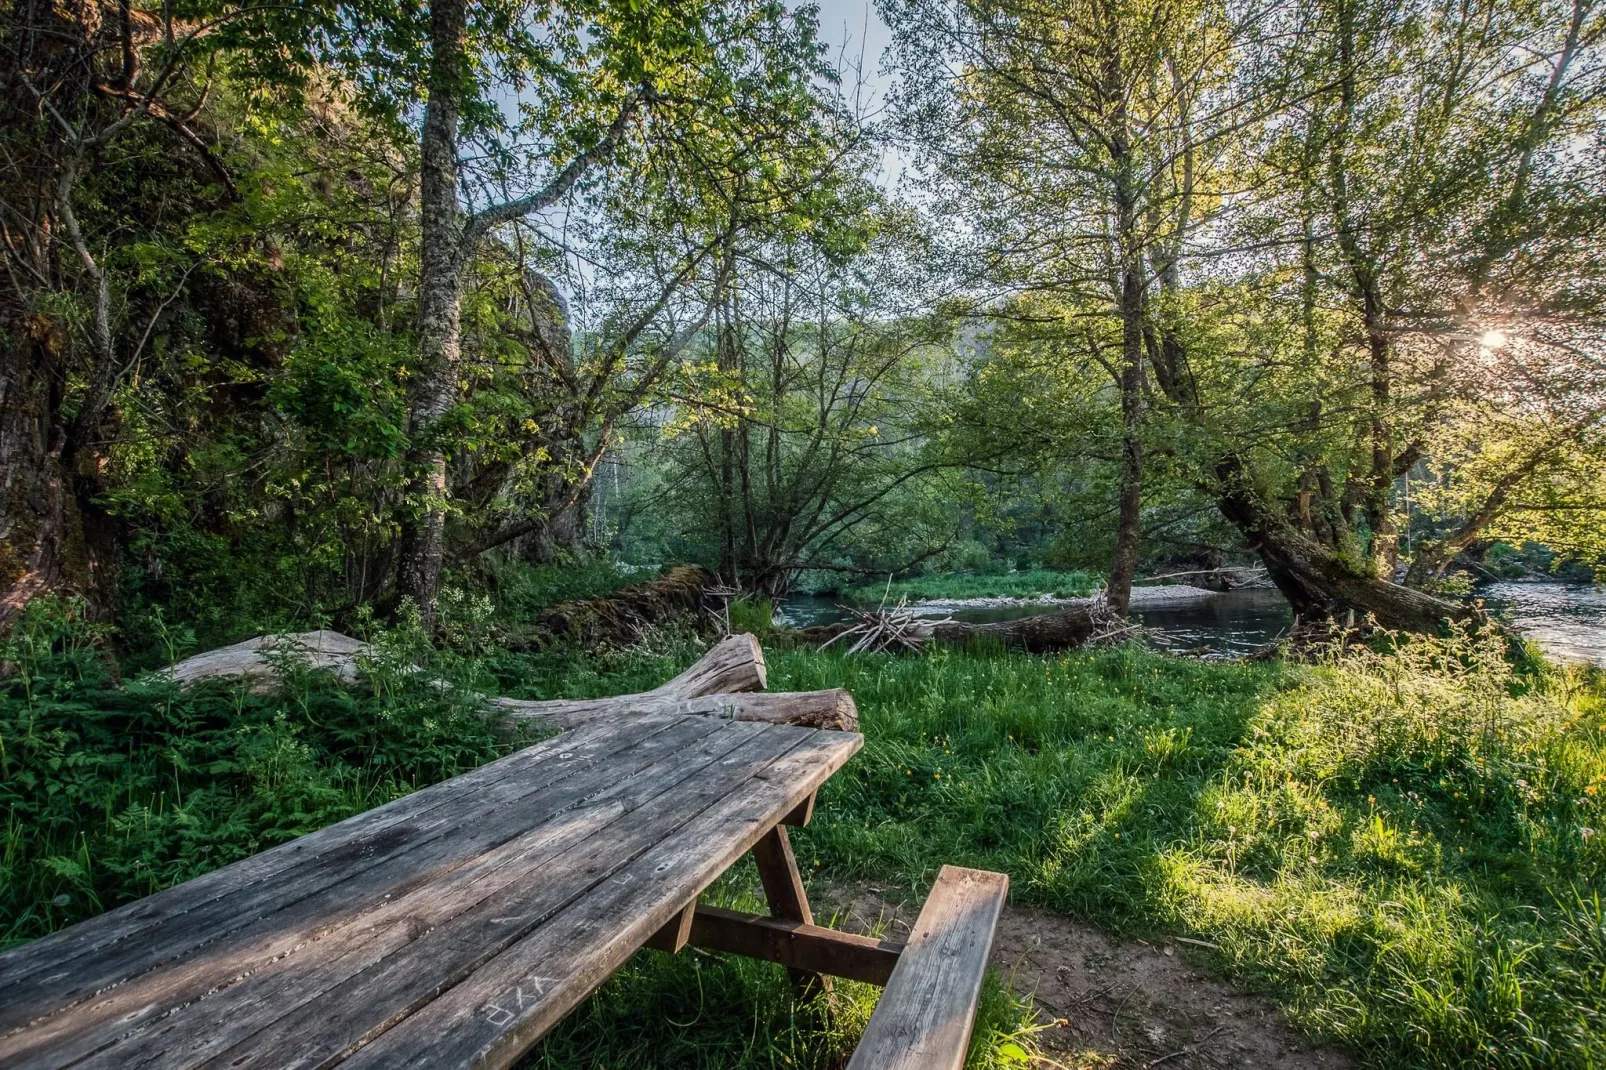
1401	846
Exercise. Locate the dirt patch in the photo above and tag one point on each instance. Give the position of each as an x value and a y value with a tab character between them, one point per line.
1115	1004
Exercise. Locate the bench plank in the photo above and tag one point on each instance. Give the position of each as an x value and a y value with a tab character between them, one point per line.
502	811
924	1018
496	1014
355	978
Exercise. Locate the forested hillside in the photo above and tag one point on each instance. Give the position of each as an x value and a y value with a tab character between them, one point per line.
307	306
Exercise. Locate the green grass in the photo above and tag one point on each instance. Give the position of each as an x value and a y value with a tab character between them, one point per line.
1033	583
1399	848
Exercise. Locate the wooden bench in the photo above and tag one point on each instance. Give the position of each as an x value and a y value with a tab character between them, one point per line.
456	926
924	1017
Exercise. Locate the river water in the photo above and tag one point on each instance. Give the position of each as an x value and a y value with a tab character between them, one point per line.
1567	620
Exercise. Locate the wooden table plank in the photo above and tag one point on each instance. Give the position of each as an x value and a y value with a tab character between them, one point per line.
365	1005
494	1015
335	850
495	819
526	839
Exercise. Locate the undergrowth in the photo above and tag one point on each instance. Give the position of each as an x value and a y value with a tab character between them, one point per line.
112	790
1401	846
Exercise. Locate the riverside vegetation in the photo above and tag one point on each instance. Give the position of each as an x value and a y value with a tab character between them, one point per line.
1400	844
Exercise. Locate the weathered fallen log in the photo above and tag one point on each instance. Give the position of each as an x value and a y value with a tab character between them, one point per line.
620	617
720	683
811	709
735	663
253	659
1065	630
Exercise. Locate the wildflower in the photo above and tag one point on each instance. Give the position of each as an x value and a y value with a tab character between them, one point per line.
1587	833
1591	789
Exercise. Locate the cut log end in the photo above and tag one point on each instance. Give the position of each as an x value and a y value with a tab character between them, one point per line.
734	664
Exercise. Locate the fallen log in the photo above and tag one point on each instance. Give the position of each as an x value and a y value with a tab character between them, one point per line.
1047	632
810	709
686	590
720	684
254	659
734	664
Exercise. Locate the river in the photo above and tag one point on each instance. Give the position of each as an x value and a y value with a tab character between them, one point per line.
1567	620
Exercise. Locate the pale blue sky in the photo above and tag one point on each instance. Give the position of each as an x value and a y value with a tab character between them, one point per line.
856	24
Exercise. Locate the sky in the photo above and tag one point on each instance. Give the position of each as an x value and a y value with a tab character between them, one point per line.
858	39
854	24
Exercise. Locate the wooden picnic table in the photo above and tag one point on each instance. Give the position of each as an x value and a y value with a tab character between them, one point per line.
452	927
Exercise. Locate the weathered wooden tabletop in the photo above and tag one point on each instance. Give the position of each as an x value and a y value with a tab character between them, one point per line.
449	928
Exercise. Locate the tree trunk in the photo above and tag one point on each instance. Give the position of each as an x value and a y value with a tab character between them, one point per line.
1129	380
1317	581
423	542
1128	531
43	544
53	534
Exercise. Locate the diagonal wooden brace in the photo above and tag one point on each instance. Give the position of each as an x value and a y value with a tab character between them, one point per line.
783	890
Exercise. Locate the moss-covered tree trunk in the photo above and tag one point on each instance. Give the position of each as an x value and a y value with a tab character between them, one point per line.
423	543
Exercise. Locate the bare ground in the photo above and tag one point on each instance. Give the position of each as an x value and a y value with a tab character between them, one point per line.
1114	1004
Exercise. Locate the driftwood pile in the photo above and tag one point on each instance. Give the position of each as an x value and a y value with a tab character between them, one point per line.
728	681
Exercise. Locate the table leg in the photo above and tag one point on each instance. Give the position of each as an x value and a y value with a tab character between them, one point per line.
783	889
